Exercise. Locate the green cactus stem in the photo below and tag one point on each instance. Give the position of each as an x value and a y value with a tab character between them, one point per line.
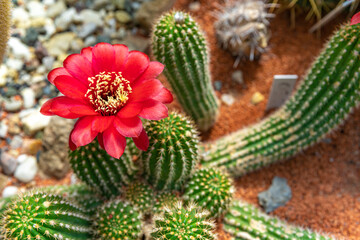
179	222
211	189
38	215
179	43
173	152
118	220
141	196
325	98
164	199
245	221
5	20
102	172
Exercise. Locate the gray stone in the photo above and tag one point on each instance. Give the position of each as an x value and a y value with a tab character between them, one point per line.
54	159
10	191
48	62
3	129
228	99
56	9
90	16
16	142
217	85
237	77
122	17
87	29
27	168
99	4
60	43
8	163
135	42
90	40
13	105
63	21
276	196
35	122
28	96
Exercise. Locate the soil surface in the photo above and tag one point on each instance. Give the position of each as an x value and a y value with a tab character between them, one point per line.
325	179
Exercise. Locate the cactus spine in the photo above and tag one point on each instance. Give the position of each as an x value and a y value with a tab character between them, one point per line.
102	172
179	43
141	196
329	92
180	222
118	220
244	221
173	152
211	189
162	200
5	19
40	215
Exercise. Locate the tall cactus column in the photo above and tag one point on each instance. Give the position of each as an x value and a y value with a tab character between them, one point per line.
180	45
327	95
5	23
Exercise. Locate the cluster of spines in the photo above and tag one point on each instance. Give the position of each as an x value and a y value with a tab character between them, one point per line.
172	154
327	95
164	199
118	220
5	19
179	222
39	215
210	189
245	221
179	43
102	172
141	196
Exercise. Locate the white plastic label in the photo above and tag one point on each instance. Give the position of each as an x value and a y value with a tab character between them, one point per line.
281	90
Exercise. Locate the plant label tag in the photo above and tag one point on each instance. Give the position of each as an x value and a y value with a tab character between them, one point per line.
281	90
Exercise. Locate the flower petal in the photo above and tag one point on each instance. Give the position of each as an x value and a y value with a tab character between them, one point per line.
128	127
101	123
72	145
79	67
142	142
135	65
60	106
70	87
164	96
145	90
153	110
130	110
82	133
114	143
46	108
154	69
57	72
100	140
87	53
103	58
121	55
355	19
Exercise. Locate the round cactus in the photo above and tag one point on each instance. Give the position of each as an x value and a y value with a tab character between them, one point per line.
211	189
102	172
180	222
164	199
141	196
242	28
38	215
173	152
118	220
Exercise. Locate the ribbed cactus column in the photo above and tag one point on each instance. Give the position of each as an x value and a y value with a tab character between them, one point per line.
244	221
40	215
179	43
102	172
5	20
328	93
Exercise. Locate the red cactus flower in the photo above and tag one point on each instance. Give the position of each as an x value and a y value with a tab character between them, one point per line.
108	88
355	19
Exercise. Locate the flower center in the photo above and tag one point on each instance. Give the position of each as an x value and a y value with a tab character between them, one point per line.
108	92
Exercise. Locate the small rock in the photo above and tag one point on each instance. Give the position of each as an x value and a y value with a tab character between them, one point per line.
20	16
99	4
31	36
3	74
122	17
194	6
77	45
14	124
27	168
10	191
120	4
257	98
87	29
35	122
16	142
13	105
90	16
90	41
19	49
31	146
228	99
36	9
28	96
56	9
8	163
135	42
3	129
60	43
63	21
217	85
103	38
14	63
48	62
276	196
237	77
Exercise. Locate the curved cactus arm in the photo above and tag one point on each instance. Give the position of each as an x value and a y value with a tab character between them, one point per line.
329	92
